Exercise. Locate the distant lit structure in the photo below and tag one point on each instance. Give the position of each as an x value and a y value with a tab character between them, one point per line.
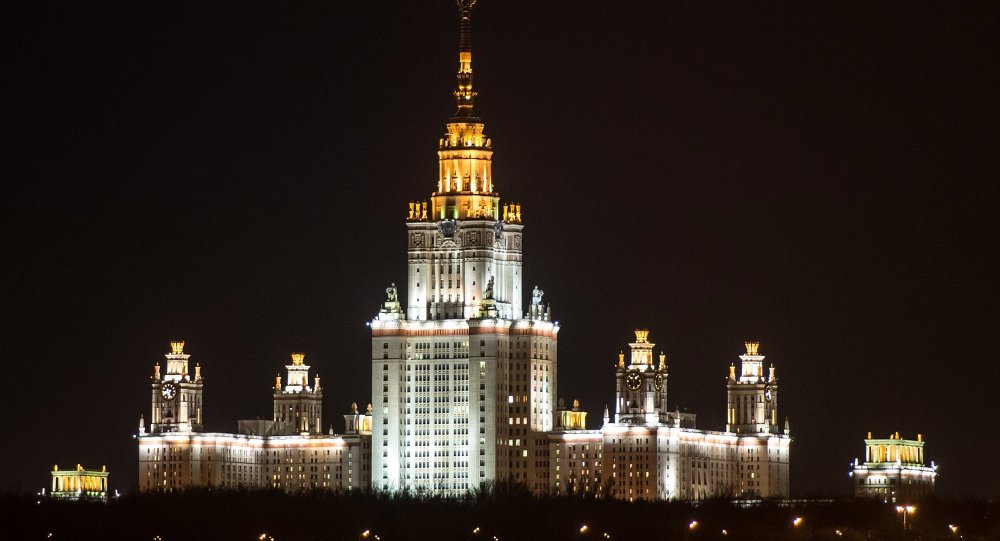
80	484
894	470
288	452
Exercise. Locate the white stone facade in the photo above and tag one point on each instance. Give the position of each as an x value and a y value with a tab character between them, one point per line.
288	452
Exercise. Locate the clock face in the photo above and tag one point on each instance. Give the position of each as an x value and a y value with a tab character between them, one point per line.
169	391
633	380
767	393
658	381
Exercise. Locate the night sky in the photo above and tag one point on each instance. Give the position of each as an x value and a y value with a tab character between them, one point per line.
818	176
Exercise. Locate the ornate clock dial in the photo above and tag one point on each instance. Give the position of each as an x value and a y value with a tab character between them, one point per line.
633	380
169	391
658	381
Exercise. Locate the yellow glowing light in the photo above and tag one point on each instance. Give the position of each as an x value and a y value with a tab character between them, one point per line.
693	525
642	336
177	347
584	528
298	359
797	521
752	347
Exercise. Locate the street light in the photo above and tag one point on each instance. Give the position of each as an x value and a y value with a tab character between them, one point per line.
905	510
954	530
584	528
797	521
693	524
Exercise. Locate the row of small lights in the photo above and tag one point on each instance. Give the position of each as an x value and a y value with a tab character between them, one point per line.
693	525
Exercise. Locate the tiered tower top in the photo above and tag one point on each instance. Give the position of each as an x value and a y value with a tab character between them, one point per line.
465	173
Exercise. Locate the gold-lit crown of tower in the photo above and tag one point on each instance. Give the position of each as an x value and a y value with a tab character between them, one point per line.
177	361
465	174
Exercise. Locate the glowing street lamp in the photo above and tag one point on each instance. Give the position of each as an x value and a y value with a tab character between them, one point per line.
584	528
905	510
797	521
691	527
475	531
954	530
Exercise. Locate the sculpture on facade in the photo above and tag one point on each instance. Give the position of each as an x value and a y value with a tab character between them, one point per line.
390	293
488	292
536	296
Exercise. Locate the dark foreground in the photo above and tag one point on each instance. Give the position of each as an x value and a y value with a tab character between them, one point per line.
249	515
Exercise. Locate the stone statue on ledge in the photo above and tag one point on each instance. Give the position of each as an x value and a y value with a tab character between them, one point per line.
536	296
488	292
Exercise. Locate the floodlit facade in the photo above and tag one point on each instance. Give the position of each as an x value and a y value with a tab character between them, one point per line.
648	452
894	470
462	375
289	452
80	484
464	379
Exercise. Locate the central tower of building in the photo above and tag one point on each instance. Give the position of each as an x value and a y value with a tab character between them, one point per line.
463	379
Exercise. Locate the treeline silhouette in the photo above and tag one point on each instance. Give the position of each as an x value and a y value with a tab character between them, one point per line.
506	512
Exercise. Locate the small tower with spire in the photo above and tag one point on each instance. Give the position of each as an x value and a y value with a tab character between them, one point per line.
752	394
641	384
177	394
298	408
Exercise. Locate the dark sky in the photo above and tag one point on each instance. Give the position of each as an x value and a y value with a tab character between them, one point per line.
818	176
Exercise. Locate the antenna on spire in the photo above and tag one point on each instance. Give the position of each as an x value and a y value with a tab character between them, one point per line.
465	29
464	94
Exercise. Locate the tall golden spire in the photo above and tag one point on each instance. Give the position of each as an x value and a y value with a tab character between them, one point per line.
464	94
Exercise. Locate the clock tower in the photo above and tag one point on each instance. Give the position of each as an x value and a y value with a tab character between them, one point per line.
298	408
176	396
641	385
753	396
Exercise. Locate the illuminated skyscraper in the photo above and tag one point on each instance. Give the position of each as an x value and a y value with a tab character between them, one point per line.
462	379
